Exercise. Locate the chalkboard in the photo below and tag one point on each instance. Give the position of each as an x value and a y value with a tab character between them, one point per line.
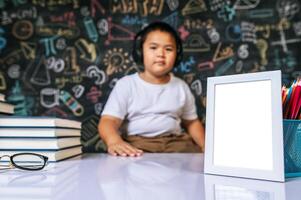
63	57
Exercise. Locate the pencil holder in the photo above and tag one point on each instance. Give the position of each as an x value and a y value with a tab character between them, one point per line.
292	147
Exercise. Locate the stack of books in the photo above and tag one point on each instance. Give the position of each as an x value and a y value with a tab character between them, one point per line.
56	138
5	108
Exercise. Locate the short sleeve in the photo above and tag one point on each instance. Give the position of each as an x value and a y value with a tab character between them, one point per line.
189	109
117	103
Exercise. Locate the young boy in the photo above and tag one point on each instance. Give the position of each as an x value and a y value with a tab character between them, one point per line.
152	105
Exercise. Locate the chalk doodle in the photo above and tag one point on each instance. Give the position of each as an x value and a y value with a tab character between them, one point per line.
22	29
172	4
243	51
52	3
189	77
183	33
206	66
213	35
286	61
124	34
288	8
56	65
78	90
196	86
225	67
222	53
40	75
40	22
49	45
61	43
143	8
98	108
94	72
61	82
93	94
262	46
248	32
71	66
91	29
226	13
103	27
196	43
261	13
5	19
284	42
90	137
61	30
198	24
2	82
76	108
96	6
87	50
266	30
239	66
246	4
233	32
68	17
113	82
152	7
218	4
23	104
297	28
129	20
28	49
2	39
49	97
117	60
14	71
185	66
172	19
125	7
193	7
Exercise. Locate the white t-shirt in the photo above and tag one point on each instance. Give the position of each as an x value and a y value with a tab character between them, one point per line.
151	109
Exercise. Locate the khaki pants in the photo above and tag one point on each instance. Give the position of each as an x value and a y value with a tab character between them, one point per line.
165	143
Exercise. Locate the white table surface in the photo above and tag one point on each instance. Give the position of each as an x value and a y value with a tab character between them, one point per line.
150	177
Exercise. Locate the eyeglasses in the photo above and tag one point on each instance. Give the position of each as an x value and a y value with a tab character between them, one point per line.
25	161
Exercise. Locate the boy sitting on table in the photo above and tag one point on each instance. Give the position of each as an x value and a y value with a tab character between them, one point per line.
153	103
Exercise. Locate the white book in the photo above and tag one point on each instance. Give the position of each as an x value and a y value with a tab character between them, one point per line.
52	155
38	132
38	143
2	97
6	108
17	121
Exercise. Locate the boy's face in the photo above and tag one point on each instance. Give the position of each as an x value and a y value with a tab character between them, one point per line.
159	53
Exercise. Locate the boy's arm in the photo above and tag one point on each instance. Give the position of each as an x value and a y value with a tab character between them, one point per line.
108	130
196	130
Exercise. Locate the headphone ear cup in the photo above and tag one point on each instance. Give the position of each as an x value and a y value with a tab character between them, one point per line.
137	53
179	52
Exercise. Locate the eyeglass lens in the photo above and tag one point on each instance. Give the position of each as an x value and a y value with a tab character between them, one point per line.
28	161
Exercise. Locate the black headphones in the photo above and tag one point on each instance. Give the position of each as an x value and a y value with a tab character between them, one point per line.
137	51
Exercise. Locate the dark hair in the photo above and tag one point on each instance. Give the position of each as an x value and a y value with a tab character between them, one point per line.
137	51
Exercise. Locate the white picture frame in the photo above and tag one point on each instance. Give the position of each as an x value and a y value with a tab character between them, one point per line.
244	134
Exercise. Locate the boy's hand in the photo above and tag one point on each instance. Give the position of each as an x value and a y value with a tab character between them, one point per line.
122	148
